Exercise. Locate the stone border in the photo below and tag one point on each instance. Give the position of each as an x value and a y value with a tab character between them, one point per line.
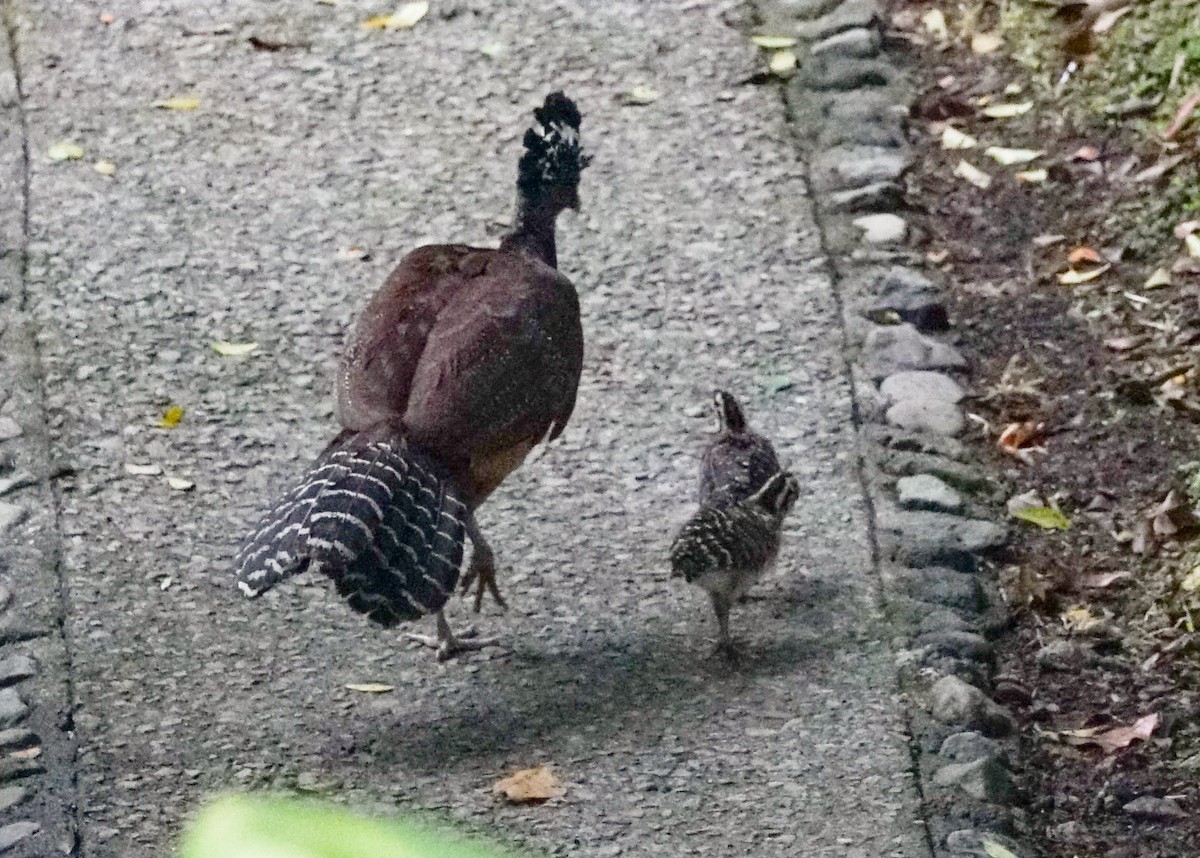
37	749
932	511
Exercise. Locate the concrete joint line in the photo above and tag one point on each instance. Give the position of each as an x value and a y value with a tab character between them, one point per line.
38	794
930	513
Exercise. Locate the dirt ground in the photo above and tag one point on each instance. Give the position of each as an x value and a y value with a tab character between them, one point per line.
1108	378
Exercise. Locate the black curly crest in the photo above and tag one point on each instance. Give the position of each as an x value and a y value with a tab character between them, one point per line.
553	155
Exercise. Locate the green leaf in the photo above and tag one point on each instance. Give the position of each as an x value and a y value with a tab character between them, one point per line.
1046	517
995	850
244	827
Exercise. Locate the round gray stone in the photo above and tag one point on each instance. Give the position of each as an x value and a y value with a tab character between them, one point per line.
924	385
953	701
925	491
968	746
929	416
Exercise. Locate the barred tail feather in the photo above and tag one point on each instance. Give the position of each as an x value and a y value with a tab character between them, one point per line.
383	521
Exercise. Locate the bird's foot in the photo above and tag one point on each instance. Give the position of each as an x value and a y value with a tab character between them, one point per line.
483	576
448	644
727	650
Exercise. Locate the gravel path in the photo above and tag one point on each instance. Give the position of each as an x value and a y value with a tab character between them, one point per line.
698	265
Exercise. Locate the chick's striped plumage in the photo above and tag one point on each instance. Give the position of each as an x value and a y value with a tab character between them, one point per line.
725	540
382	520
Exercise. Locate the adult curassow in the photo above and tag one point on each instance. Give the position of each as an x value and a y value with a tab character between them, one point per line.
734	537
461	364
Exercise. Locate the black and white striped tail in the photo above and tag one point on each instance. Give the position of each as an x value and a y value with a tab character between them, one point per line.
382	520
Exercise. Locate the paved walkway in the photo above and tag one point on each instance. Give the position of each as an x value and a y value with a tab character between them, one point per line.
698	264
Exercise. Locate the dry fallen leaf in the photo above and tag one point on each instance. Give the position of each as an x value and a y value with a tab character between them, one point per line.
530	785
1182	115
1116	738
1185	228
105	168
1085	153
1007	111
1033	177
774	43
639	96
178	102
1048	240
1100	581
226	349
352	252
1191	581
179	484
134	469
952	138
1192	241
65	151
370	687
935	24
782	63
1160	278
404	18
1084	254
986	43
1010	157
171	417
973	174
1074	278
1019	440
1079	619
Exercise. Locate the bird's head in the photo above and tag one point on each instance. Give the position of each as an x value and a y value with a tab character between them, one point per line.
729	414
548	172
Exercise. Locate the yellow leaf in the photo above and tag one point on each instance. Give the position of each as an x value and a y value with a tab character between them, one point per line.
782	63
1009	157
178	102
151	470
1074	278
974	175
226	349
952	138
640	95
935	24
65	151
986	43
530	785
774	43
171	417
1032	176
1191	581
370	687
404	18
1161	277
1079	619
105	168
1007	111
179	484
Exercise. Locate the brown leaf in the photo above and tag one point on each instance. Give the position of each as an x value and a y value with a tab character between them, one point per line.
1102	580
530	785
1085	153
1153	174
273	45
1123	344
1084	254
1116	738
1182	115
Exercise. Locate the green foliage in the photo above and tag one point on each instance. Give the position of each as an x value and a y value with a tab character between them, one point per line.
245	827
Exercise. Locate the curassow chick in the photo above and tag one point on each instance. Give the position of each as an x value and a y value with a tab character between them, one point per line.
726	549
739	461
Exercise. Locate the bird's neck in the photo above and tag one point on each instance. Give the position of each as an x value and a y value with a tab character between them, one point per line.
533	229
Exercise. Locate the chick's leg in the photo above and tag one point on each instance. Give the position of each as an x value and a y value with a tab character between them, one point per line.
725	645
481	571
447	643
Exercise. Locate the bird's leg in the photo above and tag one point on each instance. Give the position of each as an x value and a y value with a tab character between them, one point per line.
447	643
725	645
481	571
